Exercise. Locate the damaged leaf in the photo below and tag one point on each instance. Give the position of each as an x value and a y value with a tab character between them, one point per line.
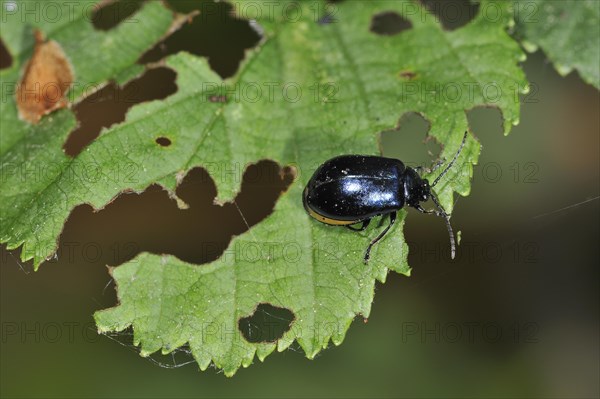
568	31
47	77
310	91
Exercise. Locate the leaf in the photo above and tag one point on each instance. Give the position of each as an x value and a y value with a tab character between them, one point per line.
353	84
568	31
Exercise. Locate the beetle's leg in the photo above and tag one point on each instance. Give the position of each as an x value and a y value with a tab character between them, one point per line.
436	166
420	209
365	223
379	237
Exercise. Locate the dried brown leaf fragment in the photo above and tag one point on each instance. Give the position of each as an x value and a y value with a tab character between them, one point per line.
45	82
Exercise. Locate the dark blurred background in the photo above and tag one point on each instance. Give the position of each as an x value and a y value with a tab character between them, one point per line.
516	315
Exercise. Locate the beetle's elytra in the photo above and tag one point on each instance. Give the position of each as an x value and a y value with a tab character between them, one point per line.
352	189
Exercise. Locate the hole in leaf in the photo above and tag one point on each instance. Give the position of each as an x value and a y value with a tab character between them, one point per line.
480	119
268	323
452	14
112	14
153	222
163	141
109	105
409	141
214	33
389	23
5	57
408	75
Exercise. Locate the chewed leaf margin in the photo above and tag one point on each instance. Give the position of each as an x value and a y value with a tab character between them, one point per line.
169	303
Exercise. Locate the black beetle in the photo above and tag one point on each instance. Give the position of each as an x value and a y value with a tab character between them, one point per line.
352	189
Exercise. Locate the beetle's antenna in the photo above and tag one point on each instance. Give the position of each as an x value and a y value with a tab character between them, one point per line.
451	162
443	214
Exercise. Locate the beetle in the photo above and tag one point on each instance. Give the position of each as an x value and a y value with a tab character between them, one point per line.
352	189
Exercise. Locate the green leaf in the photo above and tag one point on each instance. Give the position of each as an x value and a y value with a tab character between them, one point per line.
353	84
567	30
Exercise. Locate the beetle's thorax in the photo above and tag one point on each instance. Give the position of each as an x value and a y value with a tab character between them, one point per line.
416	189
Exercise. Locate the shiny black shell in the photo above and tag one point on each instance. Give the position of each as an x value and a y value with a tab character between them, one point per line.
352	188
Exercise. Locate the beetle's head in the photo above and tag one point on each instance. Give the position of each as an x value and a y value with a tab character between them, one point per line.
424	190
416	189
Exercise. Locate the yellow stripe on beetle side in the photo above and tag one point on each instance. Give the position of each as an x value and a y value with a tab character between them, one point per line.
323	219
